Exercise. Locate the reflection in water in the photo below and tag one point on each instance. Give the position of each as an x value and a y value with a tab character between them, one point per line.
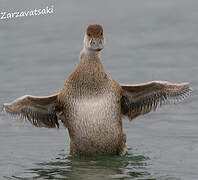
67	166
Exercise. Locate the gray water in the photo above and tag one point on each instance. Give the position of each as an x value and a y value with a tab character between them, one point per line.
145	40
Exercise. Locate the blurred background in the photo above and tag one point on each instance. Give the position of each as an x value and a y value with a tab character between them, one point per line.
145	40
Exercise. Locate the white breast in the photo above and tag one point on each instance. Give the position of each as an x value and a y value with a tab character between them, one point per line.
95	110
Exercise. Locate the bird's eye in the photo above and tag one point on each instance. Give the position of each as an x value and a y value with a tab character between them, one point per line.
101	33
89	34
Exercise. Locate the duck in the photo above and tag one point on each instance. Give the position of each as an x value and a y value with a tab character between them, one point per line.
91	105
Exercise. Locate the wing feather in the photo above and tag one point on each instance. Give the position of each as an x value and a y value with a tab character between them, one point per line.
40	111
139	99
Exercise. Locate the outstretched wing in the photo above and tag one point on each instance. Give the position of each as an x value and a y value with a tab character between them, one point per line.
41	111
139	99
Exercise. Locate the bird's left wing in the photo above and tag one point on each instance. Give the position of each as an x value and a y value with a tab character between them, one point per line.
139	99
40	111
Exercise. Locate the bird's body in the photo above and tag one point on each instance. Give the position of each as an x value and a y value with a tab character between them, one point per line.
91	104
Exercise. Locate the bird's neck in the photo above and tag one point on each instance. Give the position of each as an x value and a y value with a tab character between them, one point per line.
90	61
89	54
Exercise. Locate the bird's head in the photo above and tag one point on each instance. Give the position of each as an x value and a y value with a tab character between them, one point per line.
94	38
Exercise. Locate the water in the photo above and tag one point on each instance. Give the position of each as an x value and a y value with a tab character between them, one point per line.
145	40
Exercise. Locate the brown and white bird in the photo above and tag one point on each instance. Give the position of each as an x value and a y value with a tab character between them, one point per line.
91	105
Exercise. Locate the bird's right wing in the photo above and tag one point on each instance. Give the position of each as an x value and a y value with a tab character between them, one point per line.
41	111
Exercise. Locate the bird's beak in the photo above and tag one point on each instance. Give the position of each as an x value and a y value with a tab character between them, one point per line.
96	44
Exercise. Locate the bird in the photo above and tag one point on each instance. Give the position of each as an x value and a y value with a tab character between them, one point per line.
91	105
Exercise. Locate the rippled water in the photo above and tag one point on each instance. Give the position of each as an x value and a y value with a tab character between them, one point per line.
145	40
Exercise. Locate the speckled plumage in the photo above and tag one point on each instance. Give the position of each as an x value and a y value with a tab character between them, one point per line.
91	106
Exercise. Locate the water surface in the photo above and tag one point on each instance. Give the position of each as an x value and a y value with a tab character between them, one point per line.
145	40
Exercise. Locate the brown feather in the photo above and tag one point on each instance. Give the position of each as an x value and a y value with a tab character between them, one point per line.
139	99
41	111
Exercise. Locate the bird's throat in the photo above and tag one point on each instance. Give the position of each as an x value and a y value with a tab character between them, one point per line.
90	54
